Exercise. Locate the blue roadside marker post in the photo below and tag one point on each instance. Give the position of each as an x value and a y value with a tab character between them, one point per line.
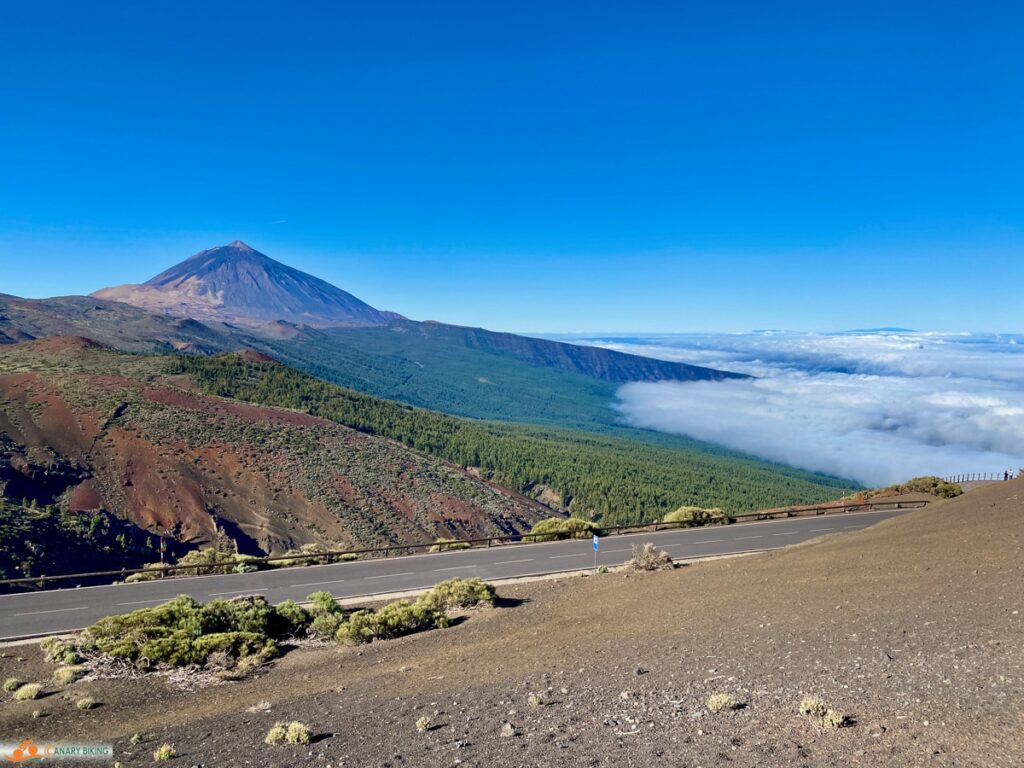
597	545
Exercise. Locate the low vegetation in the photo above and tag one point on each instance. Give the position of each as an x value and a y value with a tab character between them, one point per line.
423	724
68	675
687	516
28	691
929	484
288	733
164	752
648	558
85	703
445	545
816	710
562	528
232	637
722	702
11	684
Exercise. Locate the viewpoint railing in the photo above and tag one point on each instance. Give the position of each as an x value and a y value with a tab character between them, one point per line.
395	550
975	477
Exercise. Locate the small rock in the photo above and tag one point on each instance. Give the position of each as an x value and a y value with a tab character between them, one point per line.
640	671
508	730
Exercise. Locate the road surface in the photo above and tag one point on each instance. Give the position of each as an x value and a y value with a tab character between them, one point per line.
63	610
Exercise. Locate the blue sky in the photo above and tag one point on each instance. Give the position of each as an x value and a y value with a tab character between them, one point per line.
532	166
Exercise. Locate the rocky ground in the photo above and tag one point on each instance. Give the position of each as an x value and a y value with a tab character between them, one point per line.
913	629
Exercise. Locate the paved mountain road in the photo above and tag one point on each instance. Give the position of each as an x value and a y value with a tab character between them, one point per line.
61	610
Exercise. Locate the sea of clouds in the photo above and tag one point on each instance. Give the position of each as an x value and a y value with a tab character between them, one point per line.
878	407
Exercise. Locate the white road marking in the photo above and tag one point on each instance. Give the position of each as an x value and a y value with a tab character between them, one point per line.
611	551
509	562
318	583
390	575
558	557
791	533
55	610
815	530
744	538
249	591
709	541
455	568
140	602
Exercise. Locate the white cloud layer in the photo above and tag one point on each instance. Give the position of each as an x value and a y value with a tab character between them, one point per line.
875	407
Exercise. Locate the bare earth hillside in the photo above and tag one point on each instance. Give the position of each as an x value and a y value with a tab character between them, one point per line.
89	429
912	628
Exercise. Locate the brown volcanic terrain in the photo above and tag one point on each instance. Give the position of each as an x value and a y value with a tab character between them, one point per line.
87	428
914	628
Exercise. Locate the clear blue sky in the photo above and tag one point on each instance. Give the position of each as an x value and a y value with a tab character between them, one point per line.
532	166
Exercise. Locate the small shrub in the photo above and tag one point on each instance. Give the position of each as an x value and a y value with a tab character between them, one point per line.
423	724
28	691
277	734
392	620
721	702
348	557
164	752
535	700
562	528
648	558
85	703
288	733
59	651
297	733
602	569
11	684
819	712
459	593
444	545
68	675
135	739
36	714
327	615
832	719
687	517
812	706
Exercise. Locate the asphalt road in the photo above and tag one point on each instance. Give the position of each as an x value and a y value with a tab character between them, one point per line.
64	610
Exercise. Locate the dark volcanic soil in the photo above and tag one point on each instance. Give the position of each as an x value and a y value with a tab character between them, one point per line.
912	628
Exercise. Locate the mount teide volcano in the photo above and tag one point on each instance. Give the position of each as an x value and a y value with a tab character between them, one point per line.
237	284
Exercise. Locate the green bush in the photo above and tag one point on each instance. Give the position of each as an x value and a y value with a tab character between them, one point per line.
59	651
327	615
929	484
562	528
85	703
392	620
693	516
164	752
28	691
11	684
459	593
444	545
183	632
68	675
721	702
288	733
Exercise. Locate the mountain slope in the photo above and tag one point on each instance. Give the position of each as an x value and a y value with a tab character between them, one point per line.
92	430
237	284
113	323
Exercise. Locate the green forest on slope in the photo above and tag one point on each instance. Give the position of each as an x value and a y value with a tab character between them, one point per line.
614	479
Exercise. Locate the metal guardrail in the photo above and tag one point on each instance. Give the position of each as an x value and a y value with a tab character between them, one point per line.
972	477
326	557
